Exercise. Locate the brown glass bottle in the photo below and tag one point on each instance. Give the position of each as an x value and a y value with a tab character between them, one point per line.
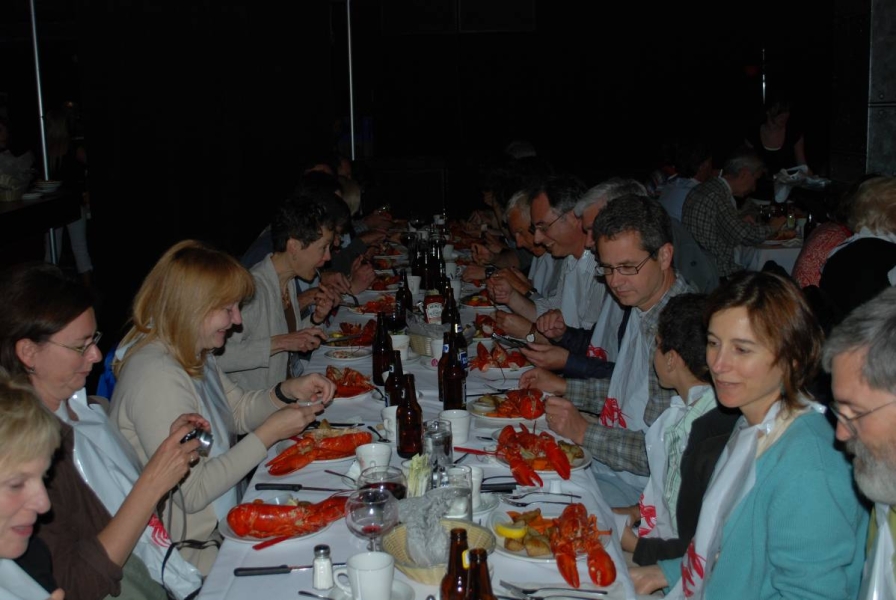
443	361
454	377
395	381
455	583
409	420
382	350
404	301
480	584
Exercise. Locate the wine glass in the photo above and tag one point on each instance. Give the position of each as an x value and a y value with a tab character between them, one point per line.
370	514
384	478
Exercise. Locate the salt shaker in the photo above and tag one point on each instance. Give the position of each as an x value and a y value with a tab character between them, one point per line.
323	568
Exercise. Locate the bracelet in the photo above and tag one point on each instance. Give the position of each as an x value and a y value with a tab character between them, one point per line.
313	322
281	396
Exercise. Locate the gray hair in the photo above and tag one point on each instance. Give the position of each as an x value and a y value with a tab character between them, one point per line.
870	328
520	201
608	191
744	158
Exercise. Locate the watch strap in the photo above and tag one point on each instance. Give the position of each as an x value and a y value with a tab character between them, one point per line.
281	396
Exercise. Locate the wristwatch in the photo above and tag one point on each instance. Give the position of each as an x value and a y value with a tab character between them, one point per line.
490	270
281	396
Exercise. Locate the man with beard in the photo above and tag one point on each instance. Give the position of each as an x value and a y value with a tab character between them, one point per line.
860	354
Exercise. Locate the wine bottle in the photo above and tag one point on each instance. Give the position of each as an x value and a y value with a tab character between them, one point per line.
409	421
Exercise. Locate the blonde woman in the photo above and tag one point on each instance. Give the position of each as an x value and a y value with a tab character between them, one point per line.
166	366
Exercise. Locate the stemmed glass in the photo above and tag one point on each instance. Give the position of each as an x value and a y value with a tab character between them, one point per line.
371	513
384	478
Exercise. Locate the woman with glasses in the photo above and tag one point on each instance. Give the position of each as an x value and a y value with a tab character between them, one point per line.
780	518
97	534
182	314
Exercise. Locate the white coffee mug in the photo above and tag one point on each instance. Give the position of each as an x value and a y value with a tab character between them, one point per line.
414	284
478	474
451	269
401	343
436	347
373	455
460	424
388	415
369	576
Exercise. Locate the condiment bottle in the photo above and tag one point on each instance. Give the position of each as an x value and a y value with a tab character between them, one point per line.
433	305
395	381
480	584
455	582
322	578
454	378
382	350
409	420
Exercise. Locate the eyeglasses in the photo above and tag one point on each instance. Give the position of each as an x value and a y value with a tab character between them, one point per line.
82	350
605	270
544	228
850	422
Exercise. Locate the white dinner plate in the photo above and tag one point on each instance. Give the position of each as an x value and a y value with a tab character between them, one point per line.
228	534
400	591
479	412
31	195
343	355
500	516
496	374
577	465
363	396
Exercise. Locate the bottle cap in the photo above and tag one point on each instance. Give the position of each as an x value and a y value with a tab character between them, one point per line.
322	550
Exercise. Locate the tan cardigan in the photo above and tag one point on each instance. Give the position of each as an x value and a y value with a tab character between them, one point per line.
152	391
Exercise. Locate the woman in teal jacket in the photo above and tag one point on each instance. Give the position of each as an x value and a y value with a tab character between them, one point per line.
780	518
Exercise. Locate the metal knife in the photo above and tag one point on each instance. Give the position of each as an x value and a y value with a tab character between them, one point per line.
342	338
279	570
499	487
316	425
295	487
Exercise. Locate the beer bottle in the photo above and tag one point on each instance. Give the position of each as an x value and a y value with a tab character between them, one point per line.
382	350
456	328
454	378
480	584
443	362
454	584
409	421
403	301
395	381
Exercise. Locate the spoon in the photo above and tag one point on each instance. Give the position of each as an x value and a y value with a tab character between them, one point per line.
378	434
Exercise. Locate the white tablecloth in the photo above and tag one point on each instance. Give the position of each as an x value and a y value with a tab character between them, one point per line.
222	585
753	258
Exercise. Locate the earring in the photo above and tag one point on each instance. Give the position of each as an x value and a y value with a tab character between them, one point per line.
30	370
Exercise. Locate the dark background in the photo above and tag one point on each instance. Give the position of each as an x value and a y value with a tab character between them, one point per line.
199	115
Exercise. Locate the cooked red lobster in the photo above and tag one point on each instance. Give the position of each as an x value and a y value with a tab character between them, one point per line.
349	383
315	445
527	452
499	358
526	404
267	520
576	531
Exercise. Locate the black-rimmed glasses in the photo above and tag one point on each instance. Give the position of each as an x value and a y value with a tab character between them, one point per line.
542	227
850	422
82	350
605	270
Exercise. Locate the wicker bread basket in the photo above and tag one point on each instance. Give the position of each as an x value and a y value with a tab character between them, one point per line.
420	344
395	543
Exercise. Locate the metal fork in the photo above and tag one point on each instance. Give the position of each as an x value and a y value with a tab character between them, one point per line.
524	494
523	504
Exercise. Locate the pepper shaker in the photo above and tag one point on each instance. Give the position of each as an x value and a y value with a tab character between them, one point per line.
323	568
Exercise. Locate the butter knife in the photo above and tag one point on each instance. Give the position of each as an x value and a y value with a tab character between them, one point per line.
278	570
295	487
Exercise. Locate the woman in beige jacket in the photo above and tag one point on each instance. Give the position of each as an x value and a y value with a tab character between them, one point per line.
165	367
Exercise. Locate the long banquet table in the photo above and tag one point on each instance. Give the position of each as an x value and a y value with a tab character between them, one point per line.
221	584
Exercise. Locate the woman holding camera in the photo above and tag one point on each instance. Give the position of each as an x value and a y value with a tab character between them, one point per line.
97	534
166	366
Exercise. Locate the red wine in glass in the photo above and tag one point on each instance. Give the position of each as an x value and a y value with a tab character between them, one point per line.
399	490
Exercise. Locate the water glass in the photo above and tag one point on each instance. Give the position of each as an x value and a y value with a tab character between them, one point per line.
438	444
459	480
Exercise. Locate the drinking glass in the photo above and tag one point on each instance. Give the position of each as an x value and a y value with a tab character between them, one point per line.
370	514
384	478
438	444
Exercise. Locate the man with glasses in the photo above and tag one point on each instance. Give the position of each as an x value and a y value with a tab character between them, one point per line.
860	354
557	228
634	242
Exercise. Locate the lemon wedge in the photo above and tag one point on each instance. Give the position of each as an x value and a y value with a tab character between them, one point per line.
514	531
